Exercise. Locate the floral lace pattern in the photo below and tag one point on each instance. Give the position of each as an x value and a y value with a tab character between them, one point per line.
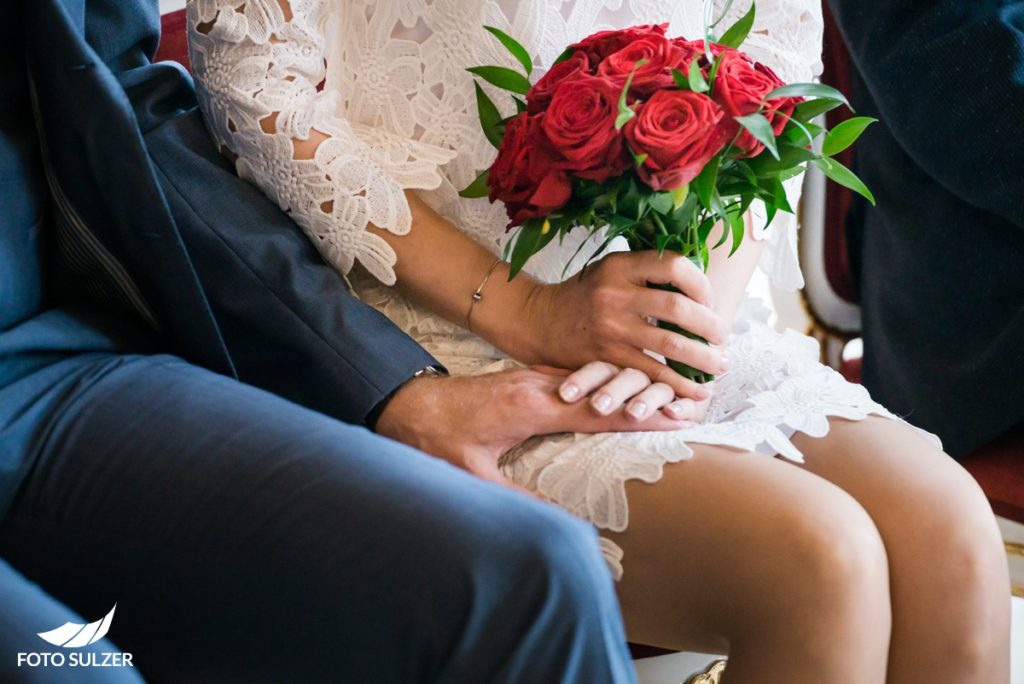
385	82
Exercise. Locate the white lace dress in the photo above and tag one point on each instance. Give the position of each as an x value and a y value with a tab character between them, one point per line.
387	82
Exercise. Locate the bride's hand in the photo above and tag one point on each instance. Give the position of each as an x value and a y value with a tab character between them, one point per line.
610	389
602	317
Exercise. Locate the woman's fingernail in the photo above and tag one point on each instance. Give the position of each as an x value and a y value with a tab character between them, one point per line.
637	409
602	402
724	363
569	392
678	410
702	393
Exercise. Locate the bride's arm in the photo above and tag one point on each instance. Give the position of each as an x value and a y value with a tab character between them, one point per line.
260	66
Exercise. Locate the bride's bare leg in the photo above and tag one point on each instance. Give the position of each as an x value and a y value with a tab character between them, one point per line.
742	553
949	577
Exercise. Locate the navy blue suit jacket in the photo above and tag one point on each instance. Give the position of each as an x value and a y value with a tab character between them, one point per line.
941	275
225	277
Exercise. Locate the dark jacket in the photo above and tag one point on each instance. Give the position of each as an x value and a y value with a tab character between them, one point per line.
942	255
148	220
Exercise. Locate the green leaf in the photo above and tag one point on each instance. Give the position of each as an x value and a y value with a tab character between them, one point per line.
790	156
513	46
770	213
810	110
801	134
844	176
503	77
761	129
738	225
845	134
704	184
490	117
713	74
696	79
566	54
477	188
679	196
816	90
777	192
520	105
534	236
739	31
663	202
681	81
625	113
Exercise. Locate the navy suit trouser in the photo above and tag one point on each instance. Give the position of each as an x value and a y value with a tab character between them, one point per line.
244	538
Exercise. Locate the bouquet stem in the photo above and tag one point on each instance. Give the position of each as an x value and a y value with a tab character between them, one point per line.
686	370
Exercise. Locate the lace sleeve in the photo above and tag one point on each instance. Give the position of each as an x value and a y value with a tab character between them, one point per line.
260	69
787	36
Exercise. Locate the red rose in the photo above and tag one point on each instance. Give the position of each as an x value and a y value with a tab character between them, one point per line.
740	87
540	94
604	43
580	124
524	175
680	133
660	56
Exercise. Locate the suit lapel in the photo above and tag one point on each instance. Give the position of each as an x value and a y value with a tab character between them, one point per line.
96	154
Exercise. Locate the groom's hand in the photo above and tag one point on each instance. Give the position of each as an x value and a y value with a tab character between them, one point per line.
472	422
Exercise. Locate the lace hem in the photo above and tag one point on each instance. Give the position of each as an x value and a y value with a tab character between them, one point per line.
775	389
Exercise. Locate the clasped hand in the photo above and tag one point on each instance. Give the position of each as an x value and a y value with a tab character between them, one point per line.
603	316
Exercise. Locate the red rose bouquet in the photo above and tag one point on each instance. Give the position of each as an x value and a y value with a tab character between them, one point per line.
635	134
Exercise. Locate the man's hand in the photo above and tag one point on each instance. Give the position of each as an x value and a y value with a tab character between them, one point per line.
472	422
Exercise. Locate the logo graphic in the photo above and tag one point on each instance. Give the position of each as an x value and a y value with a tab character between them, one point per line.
74	635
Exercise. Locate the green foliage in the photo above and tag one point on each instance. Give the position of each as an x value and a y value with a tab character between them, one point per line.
490	118
477	188
738	32
761	129
534	236
845	134
503	77
808	90
844	176
625	113
513	46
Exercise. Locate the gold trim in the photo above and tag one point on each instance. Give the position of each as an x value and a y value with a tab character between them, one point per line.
1014	549
713	675
1017	590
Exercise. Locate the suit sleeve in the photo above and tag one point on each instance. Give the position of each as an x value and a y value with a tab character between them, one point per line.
948	78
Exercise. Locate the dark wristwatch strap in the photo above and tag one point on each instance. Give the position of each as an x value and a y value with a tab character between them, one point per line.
377	411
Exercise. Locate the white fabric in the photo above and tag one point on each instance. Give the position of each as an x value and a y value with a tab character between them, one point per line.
387	82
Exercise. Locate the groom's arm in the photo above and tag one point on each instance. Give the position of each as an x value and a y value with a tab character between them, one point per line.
948	78
288	321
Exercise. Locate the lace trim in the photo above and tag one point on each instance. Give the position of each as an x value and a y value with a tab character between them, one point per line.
253	63
775	388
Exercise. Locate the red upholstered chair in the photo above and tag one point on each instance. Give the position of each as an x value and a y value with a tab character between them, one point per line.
831	302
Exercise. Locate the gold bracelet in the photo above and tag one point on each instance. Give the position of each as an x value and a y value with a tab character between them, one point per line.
478	295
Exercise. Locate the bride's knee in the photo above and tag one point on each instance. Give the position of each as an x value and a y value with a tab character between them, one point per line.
841	556
830	574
